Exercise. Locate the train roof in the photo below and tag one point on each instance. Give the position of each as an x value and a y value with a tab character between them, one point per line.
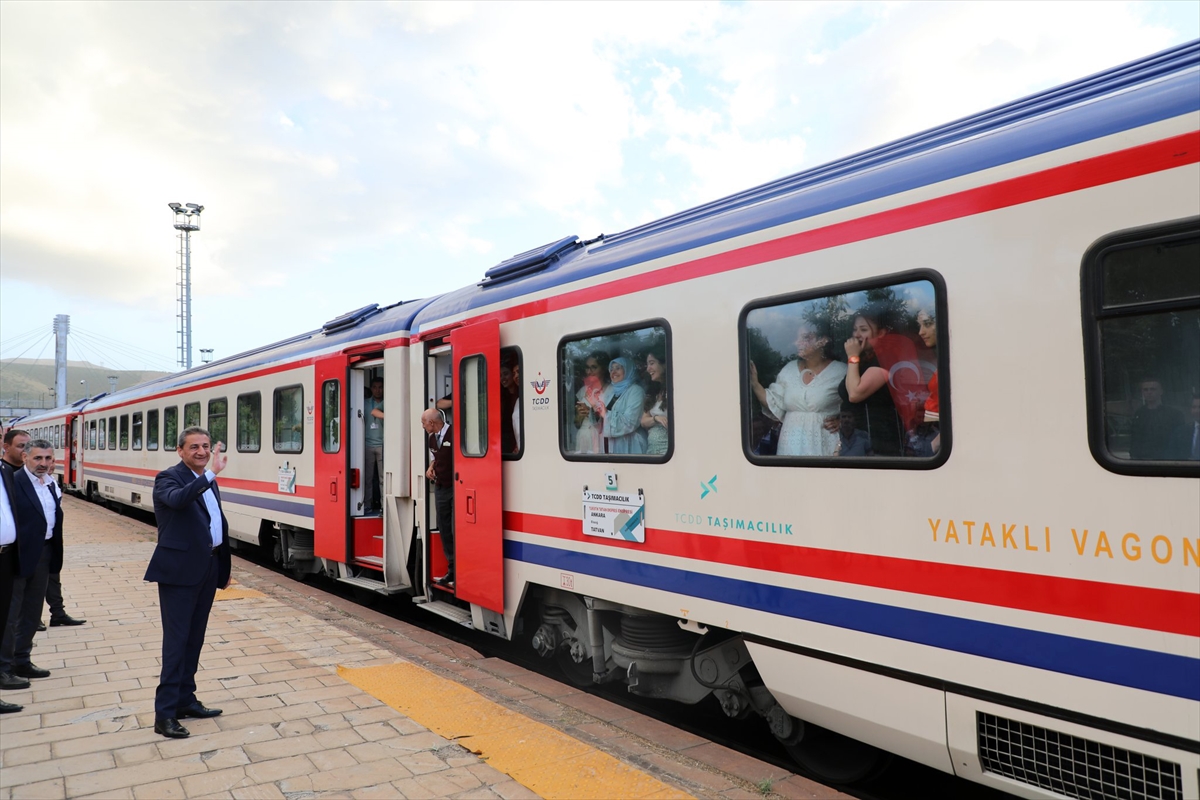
1141	92
366	324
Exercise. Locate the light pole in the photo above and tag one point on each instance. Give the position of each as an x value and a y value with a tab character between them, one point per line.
83	383
112	383
205	355
187	219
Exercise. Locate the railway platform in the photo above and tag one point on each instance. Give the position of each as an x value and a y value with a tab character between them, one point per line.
322	698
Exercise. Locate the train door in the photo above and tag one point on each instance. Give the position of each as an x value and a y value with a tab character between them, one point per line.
74	445
366	462
332	480
478	497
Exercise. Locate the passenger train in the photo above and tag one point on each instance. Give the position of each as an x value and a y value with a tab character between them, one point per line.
898	453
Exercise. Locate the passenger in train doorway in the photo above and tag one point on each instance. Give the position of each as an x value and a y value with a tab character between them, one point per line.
374	445
510	402
441	473
13	456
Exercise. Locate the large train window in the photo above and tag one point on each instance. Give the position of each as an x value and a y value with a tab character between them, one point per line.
615	390
137	431
331	416
1141	294
472	380
288	420
191	415
848	376
152	429
249	422
124	431
171	427
112	433
92	435
218	421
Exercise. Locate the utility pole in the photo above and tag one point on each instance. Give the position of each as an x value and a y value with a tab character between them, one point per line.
187	219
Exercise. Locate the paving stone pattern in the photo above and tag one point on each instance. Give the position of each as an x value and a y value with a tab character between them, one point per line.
292	729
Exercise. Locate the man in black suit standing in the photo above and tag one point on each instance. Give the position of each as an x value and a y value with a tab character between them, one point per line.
190	562
8	558
38	510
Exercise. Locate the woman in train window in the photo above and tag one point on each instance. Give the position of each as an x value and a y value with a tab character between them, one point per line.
925	441
590	402
654	417
805	395
623	434
883	380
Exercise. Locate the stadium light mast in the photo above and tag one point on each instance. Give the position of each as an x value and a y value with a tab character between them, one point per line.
187	219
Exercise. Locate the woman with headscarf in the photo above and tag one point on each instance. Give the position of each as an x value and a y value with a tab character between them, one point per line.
590	402
623	433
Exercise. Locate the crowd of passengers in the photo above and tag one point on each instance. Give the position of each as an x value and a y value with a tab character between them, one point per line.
618	411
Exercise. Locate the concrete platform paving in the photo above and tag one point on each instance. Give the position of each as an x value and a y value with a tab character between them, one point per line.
293	728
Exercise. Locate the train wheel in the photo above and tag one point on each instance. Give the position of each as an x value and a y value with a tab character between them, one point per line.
580	674
835	758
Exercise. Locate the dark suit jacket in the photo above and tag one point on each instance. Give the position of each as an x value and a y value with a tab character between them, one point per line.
184	542
31	526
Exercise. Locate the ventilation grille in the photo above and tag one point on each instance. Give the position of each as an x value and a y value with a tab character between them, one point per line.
1072	766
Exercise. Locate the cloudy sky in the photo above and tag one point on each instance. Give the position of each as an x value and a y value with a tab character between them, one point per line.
350	153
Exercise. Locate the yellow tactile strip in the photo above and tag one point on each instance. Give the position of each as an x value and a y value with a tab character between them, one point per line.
545	760
237	594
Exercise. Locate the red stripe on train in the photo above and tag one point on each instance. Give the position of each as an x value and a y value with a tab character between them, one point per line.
1113	603
232	483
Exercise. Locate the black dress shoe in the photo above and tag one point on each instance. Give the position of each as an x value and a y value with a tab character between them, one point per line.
197	710
12	682
9	708
66	619
170	728
30	671
41	626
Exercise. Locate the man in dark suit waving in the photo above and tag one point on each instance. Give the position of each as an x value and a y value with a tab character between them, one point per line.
189	563
38	511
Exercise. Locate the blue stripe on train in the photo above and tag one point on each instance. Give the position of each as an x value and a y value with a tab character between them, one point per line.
1178	676
297	507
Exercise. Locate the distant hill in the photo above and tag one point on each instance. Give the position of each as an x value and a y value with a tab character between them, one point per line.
29	383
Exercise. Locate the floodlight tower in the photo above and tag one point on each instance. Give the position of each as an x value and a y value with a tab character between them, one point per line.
187	219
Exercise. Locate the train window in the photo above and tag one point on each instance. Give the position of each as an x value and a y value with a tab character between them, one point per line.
288	419
171	427
472	410
512	429
854	376
218	421
331	417
112	433
1142	337
103	435
124	431
249	422
58	436
191	415
137	431
152	429
616	390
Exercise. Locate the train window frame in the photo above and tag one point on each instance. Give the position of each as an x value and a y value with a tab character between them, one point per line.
112	433
124	437
1095	313
275	419
874	462
242	434
476	404
223	416
171	427
331	416
136	437
58	436
152	429
191	415
91	437
564	393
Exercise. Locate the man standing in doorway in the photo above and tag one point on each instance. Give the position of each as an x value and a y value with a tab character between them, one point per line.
374	443
13	455
441	472
189	563
37	508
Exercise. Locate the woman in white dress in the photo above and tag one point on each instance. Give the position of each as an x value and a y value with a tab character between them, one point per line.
805	396
590	401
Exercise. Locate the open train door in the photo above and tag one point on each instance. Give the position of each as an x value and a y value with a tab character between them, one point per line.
331	491
478	496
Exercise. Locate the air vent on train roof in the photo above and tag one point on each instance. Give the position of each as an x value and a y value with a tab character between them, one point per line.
529	262
350	318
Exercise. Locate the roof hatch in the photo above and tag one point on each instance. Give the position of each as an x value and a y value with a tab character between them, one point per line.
530	261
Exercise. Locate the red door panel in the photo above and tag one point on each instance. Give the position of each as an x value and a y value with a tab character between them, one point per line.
331	499
478	499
